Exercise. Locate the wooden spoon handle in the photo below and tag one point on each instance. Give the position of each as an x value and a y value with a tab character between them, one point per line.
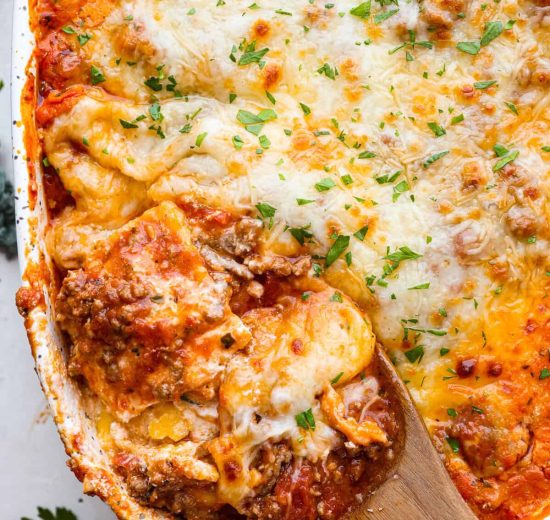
419	487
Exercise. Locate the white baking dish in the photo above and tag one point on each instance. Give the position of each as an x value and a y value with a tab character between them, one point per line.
78	433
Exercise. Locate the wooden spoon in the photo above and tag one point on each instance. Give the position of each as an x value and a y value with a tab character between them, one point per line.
417	486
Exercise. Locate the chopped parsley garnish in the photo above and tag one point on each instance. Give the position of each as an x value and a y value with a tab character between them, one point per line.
504	160
420	287
306	420
436	129
249	54
361	233
127	124
435	157
399	189
153	83
444	351
402	254
482	85
155	112
336	297
325	184
412	43
451	412
328	71
512	107
362	10
266	210
415	354
469	47
96	75
380	17
336	378
366	155
200	139
500	150
544	373
457	119
492	31
265	143
338	247
84	38
303	202
387	178
237	142
475	409
305	109
453	443
254	123
301	234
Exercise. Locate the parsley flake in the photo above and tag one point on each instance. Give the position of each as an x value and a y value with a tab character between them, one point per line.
306	420
362	10
338	247
96	75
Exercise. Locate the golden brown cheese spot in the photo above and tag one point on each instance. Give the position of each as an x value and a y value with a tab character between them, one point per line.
522	222
354	93
317	16
271	75
472	176
349	69
130	42
146	319
440	16
302	139
260	29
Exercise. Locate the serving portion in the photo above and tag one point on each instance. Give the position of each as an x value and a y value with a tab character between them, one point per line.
243	198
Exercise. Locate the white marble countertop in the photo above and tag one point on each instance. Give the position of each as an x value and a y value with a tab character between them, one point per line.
33	460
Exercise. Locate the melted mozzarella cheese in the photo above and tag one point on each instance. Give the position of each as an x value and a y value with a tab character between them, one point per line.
296	351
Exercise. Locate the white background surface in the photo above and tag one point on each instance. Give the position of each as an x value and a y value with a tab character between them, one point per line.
32	460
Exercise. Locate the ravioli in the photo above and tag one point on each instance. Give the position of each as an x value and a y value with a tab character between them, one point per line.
147	321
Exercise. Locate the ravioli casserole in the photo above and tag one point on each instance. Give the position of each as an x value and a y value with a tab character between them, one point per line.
244	198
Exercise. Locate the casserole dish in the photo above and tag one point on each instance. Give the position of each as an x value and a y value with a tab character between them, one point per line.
171	247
